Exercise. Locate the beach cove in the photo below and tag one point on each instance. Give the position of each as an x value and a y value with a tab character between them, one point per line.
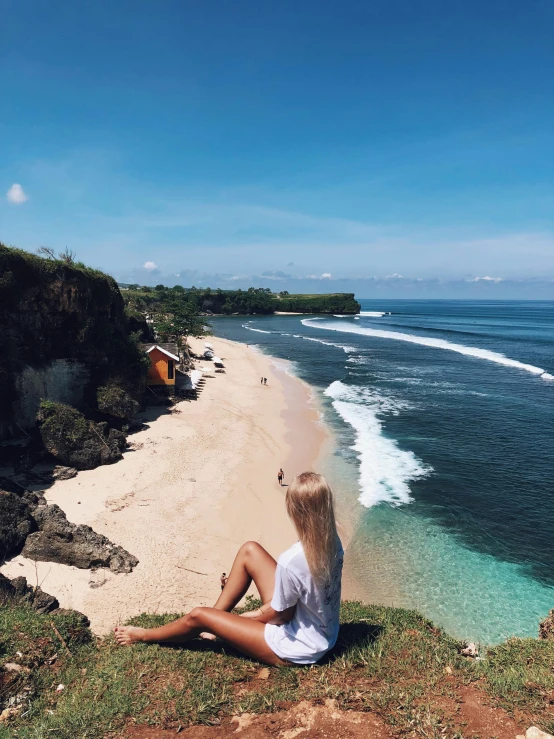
195	484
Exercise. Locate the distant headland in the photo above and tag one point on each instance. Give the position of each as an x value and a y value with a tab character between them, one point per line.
254	301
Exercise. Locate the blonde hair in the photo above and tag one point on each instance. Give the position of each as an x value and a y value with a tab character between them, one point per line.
309	502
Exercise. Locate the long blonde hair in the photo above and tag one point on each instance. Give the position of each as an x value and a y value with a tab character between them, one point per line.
309	502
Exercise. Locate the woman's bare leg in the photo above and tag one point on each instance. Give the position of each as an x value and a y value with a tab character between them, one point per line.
252	563
244	634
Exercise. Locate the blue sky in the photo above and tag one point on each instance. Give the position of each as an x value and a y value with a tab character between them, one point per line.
388	147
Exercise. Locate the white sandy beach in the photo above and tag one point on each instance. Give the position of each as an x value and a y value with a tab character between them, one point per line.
194	487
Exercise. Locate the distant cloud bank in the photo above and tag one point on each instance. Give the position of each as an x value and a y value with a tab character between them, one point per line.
390	286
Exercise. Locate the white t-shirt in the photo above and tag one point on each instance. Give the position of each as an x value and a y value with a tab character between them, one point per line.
315	626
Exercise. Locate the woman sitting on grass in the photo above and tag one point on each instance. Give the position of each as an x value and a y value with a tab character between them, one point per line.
299	619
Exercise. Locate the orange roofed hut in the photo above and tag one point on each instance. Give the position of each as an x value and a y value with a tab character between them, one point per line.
163	361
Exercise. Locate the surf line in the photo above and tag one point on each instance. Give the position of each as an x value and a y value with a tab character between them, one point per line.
258	330
468	351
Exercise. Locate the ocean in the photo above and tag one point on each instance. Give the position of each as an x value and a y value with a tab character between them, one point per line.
442	419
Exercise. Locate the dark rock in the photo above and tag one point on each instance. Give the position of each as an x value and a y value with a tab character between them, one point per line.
16	523
11	486
76	442
116	402
34	499
58	540
30	457
63	473
19	592
546	627
82	620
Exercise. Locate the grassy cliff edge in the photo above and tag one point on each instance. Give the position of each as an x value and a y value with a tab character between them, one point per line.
390	665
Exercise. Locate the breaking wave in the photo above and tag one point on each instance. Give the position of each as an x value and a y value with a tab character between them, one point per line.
385	469
468	351
259	330
345	348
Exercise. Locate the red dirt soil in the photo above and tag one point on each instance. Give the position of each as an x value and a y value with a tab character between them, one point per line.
323	720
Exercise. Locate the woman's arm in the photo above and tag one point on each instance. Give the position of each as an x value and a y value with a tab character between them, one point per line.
268	615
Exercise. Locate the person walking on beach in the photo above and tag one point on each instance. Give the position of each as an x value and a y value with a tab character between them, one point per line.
223	580
280	476
265	380
261	380
298	622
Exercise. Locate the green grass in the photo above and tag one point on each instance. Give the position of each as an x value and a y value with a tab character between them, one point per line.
389	661
308	295
519	674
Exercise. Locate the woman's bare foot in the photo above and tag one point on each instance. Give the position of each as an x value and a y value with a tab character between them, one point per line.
207	635
126	635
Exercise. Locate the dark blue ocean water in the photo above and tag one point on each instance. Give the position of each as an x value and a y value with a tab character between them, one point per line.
443	420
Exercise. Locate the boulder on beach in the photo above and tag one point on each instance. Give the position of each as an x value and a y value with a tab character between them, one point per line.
16	523
58	540
116	402
19	592
60	472
77	442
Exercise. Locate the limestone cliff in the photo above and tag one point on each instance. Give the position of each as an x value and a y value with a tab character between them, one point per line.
64	333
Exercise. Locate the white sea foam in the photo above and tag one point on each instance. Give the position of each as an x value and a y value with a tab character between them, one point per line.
288	366
336	315
259	330
469	351
385	469
359	360
374	313
346	349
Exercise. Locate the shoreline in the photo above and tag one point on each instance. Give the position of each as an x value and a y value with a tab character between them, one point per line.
194	486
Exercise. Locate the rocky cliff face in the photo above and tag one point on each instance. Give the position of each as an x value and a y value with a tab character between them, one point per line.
64	333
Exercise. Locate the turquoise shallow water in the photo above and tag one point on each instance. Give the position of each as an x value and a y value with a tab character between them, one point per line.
443	420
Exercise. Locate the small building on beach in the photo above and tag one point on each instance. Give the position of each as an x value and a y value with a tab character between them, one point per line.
163	361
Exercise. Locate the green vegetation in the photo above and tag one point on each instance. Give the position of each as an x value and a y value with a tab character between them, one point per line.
75	441
116	402
58	308
342	303
175	309
390	662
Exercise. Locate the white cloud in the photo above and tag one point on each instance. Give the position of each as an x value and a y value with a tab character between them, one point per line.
486	279
394	276
326	276
16	194
150	266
